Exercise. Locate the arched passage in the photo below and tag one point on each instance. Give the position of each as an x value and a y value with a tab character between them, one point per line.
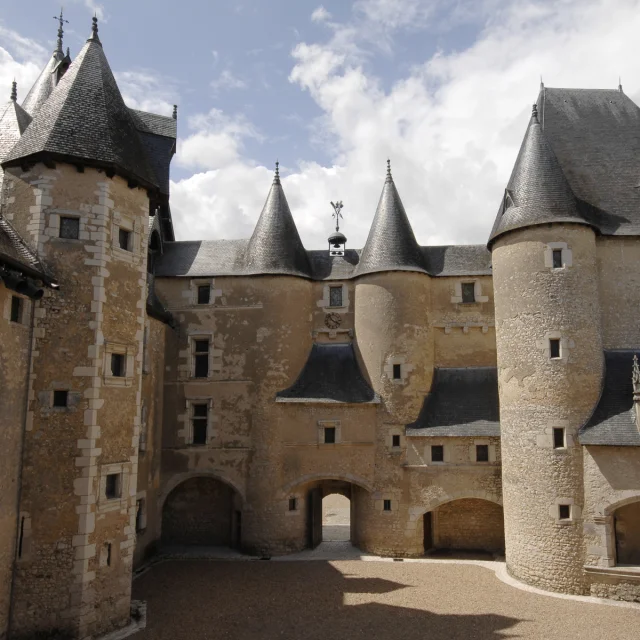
467	524
626	525
202	511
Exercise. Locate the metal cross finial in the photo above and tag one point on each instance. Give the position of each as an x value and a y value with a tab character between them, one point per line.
14	90
337	212
534	111
94	25
175	111
61	22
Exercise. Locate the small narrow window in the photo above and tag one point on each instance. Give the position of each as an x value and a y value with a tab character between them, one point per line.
395	441
21	537
70	228
124	239
554	348
293	504
16	309
397	372
557	258
387	505
564	512
200	419
112	486
204	294
329	435
201	358
558	438
335	296
468	292
60	398
118	365
107	546
437	453
482	453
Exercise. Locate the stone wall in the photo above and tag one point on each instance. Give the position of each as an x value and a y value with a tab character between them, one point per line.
469	524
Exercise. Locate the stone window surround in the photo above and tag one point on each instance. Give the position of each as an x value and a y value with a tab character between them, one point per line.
129	352
456	297
192	292
203	335
446	453
472	452
186	433
545	440
133	225
405	369
565	345
322	424
52	228
298	510
379	499
324	303
567	255
396	432
25	311
575	511
113	504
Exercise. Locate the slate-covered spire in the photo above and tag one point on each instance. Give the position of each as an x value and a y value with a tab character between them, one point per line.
275	246
538	191
13	122
391	245
86	121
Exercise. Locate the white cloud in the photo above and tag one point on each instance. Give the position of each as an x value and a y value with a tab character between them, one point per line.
452	125
143	89
21	59
320	15
227	80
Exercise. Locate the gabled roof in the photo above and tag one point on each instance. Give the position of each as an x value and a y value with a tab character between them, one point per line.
462	402
538	191
85	119
613	422
331	374
391	245
13	122
275	246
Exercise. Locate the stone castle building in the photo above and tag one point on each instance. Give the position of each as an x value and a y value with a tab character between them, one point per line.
158	393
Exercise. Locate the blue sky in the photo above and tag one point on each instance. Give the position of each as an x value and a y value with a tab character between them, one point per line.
332	88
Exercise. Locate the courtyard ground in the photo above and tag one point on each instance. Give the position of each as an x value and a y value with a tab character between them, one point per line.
360	600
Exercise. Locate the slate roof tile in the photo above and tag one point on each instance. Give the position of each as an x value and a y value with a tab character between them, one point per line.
15	251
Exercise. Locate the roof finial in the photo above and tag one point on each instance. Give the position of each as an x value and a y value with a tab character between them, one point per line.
389	176
541	83
68	54
175	112
337	208
61	22
94	29
276	175
620	85
534	111
14	91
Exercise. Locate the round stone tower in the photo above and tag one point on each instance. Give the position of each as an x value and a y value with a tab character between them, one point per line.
550	364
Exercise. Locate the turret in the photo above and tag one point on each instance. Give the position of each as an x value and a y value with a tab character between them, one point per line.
13	122
550	363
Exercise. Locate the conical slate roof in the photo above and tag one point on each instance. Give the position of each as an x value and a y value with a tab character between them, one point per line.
85	119
13	122
45	83
275	246
538	191
391	245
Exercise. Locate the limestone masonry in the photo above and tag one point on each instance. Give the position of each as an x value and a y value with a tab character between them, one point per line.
156	393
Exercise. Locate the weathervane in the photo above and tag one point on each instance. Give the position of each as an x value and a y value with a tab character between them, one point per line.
337	208
61	22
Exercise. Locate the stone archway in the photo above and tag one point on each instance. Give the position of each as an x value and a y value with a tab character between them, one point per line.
626	529
202	511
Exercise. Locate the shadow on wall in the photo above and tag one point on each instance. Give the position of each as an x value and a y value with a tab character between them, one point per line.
289	601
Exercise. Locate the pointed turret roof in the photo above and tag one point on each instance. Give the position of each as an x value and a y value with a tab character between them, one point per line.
85	120
275	246
13	122
391	245
538	191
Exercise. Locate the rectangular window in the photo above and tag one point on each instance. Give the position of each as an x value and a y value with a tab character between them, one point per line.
293	504
564	512
335	296
558	438
397	372
395	441
113	486
437	453
199	420
329	435
107	547
468	292
201	358
204	294
118	365
387	505
482	453
60	398
16	309
557	258
70	228
554	348
124	239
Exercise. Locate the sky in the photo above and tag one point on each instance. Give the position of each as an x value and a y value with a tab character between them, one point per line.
443	88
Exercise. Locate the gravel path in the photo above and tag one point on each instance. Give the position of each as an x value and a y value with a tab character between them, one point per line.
356	600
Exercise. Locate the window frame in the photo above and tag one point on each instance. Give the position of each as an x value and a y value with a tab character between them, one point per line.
129	238
556	253
116	494
336	288
65	218
200	419
563	435
483	447
468	287
386	505
56	396
329	430
440	448
200	356
569	510
555	342
122	369
17	309
394	437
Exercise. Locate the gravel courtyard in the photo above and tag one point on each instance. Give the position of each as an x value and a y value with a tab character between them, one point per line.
360	600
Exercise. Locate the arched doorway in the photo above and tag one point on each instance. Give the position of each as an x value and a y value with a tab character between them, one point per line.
626	521
202	511
329	509
467	524
336	518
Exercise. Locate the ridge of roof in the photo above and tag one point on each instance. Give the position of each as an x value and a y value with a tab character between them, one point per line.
275	245
391	244
85	119
154	123
538	191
